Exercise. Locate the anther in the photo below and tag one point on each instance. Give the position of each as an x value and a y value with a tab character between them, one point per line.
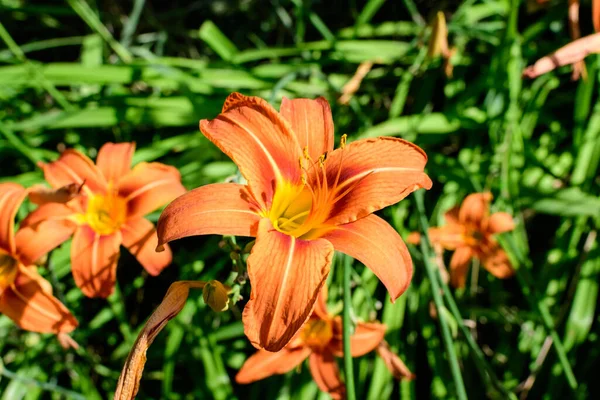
305	152
343	141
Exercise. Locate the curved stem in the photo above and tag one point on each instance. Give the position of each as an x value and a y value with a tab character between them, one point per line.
439	304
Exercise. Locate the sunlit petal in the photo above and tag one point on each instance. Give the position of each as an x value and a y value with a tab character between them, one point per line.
365	338
220	208
149	186
312	123
500	222
475	210
286	275
74	167
459	265
496	261
264	363
94	261
326	374
30	303
139	236
114	160
376	244
259	141
374	174
11	197
393	363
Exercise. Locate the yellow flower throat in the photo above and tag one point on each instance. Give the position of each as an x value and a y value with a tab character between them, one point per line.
317	333
105	213
301	210
8	271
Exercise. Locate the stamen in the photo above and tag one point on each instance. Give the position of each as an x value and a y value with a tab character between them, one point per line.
343	141
295	217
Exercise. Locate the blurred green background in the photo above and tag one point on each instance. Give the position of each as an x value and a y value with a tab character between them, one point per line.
79	73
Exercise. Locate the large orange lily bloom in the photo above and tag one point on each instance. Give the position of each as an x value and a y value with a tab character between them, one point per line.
109	212
25	297
469	232
302	200
320	340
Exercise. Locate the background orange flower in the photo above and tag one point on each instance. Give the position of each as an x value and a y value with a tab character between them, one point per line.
25	297
469	232
320	340
109	212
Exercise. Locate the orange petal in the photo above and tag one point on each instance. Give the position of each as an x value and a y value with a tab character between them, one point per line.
496	261
376	244
596	14
449	236
11	197
321	305
375	173
393	363
220	208
452	216
94	261
366	338
114	160
571	53
264	363
500	222
149	186
286	275
74	167
312	123
43	230
459	264
139	236
259	140
31	305
475	209
324	371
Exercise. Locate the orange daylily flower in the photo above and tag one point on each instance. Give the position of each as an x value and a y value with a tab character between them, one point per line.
302	200
25	297
108	211
320	340
469	232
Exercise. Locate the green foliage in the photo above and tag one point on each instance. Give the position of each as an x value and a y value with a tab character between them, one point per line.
79	74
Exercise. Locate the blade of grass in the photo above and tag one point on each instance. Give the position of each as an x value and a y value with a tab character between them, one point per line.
130	26
437	298
91	19
347	327
18	53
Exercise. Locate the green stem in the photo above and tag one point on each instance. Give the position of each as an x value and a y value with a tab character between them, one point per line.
18	145
437	299
347	327
50	387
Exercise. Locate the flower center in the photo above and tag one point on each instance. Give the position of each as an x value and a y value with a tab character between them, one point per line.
301	210
317	333
8	271
106	213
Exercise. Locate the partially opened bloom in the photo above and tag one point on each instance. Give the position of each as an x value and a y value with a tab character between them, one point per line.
320	340
25	297
108	212
302	200
469	232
